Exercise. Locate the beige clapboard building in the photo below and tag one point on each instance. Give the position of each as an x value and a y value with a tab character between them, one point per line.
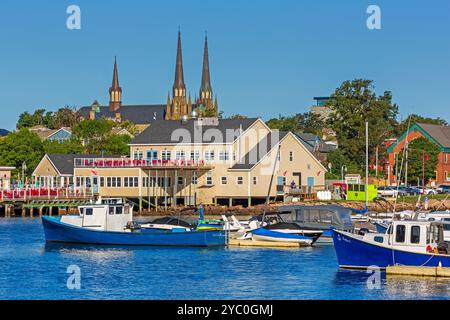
186	162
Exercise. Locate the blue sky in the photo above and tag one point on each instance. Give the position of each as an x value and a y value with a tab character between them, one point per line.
267	57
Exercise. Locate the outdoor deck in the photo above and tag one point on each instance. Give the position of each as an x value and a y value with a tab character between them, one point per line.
144	163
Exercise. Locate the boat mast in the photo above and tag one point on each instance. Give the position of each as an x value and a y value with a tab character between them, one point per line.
367	165
271	181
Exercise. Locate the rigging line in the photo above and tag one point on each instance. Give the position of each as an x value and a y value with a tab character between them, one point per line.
403	159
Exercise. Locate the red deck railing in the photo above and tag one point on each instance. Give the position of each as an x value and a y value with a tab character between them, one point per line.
40	193
129	163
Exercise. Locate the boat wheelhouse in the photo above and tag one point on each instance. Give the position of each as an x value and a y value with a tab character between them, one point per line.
318	218
412	243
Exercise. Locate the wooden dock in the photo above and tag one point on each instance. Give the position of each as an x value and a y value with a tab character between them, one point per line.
418	271
262	244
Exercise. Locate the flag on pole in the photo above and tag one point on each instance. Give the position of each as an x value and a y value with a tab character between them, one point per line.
285	173
94	172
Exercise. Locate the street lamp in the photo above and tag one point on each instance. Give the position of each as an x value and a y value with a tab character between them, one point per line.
344	167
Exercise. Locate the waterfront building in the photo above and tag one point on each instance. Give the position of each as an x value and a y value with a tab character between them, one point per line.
206	160
437	134
57	170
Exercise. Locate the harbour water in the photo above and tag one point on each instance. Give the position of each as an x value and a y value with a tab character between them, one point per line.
33	270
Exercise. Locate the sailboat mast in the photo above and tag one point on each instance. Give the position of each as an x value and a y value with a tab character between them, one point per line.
367	164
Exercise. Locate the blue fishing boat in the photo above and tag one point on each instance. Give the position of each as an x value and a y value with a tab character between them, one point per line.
112	224
411	243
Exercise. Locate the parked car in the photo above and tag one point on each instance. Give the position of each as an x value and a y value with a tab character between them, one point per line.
388	192
409	191
426	190
443	188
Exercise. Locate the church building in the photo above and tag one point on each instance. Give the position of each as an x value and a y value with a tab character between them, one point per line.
178	106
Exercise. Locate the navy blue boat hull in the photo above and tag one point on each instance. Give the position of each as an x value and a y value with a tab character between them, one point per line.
354	253
58	232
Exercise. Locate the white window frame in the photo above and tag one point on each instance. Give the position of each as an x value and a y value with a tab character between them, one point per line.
209	179
180	155
166	155
224	155
195	155
240	180
223	180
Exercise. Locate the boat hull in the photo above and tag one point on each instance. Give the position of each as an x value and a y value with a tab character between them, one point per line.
56	231
357	254
274	236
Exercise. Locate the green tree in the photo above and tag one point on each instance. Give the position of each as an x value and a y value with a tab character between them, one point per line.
64	117
19	147
416	150
402	126
354	103
26	120
336	159
301	122
94	134
71	146
117	144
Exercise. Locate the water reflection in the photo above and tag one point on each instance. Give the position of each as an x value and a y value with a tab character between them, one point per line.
410	287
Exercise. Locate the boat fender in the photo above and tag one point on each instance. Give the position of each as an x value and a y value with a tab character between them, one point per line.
429	249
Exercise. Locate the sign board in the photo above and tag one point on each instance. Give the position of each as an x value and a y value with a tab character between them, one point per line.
353	179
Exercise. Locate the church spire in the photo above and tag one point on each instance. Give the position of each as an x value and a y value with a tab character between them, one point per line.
179	88
206	106
115	91
205	88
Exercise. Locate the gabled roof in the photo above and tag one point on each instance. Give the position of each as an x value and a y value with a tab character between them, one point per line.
161	131
440	135
3	132
64	163
138	114
256	154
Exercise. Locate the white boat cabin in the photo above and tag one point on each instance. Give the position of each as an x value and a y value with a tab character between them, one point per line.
102	217
411	236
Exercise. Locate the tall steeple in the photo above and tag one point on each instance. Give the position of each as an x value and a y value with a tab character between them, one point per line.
205	105
115	91
179	88
178	106
205	88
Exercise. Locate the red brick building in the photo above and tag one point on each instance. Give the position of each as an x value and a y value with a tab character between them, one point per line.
439	135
